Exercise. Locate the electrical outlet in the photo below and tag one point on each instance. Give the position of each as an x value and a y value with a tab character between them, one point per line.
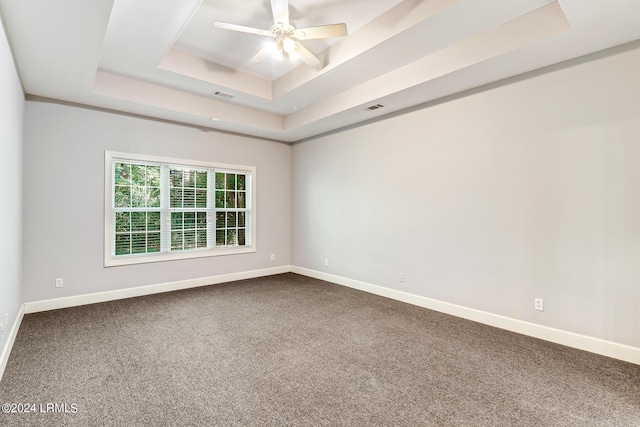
538	304
326	261
273	257
59	282
401	277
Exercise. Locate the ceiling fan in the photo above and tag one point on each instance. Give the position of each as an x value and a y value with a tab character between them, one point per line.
287	37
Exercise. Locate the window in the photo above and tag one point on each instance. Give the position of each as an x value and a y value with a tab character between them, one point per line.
162	209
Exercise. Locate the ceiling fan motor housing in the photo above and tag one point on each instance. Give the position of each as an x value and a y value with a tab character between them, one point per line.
280	30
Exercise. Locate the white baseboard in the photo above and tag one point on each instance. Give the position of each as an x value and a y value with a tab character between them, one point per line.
7	345
73	301
570	339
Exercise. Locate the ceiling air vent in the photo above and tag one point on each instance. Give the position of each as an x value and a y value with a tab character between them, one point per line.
374	107
222	94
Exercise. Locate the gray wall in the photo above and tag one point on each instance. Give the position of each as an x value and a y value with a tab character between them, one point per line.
529	189
64	198
11	118
526	190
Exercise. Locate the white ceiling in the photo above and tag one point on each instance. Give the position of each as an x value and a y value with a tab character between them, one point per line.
234	50
164	59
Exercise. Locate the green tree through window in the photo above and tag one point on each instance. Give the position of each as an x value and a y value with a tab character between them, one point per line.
159	208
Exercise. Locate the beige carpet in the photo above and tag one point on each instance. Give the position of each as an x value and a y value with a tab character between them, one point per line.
290	350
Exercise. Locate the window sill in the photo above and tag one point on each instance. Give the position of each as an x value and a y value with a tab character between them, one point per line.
110	261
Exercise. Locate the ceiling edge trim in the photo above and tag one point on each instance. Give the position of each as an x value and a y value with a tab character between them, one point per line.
491	43
584	59
42	99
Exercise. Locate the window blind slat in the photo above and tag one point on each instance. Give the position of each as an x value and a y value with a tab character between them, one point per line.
159	208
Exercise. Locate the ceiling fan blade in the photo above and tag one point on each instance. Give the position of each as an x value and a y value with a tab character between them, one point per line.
307	57
242	28
321	32
280	10
264	52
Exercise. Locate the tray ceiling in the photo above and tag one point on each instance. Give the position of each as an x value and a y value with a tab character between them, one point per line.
167	60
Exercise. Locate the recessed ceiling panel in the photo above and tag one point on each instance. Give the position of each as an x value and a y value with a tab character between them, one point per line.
235	50
166	59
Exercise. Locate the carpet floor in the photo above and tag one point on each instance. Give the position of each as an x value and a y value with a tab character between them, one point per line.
288	350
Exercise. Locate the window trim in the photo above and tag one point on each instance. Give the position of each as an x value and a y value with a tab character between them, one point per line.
112	261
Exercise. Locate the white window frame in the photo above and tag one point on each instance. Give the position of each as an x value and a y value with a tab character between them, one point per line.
110	259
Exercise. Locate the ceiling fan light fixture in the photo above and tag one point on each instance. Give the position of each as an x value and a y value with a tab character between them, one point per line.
294	56
274	49
287	37
288	45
